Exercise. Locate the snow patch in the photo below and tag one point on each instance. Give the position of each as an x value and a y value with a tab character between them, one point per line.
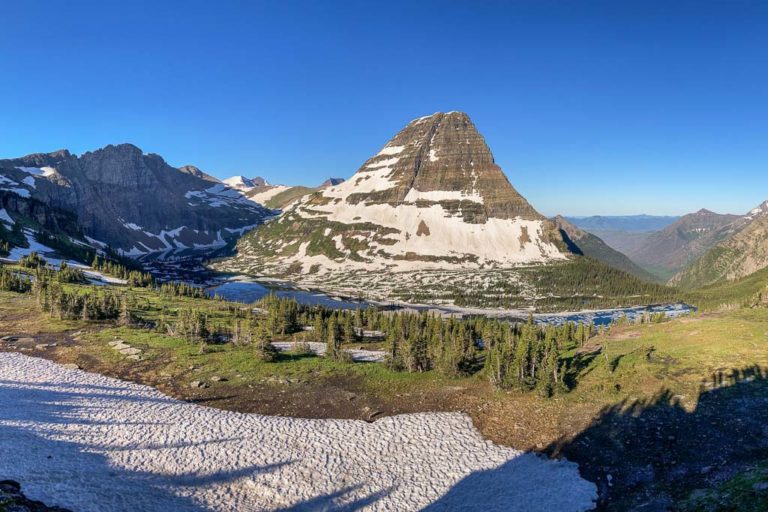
391	150
18	191
91	443
414	195
5	217
263	197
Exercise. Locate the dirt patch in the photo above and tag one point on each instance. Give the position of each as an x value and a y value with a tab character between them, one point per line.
524	236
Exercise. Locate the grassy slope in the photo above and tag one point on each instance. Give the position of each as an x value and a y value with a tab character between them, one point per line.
636	363
748	291
708	269
286	197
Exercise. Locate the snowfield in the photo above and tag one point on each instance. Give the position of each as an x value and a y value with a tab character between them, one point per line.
93	443
358	355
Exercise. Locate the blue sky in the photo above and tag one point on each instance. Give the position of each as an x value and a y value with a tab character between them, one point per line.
589	107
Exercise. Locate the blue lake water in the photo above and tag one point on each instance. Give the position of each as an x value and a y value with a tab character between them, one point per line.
249	292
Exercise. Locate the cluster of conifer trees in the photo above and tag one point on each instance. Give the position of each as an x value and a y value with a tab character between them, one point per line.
32	260
114	268
92	303
175	289
14	282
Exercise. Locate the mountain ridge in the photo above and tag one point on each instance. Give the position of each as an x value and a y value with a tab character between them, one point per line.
135	202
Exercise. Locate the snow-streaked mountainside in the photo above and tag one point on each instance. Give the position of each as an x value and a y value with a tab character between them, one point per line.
743	252
132	201
433	197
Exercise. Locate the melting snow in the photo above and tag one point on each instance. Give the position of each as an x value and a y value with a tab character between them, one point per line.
92	443
19	191
5	217
391	150
34	246
414	195
384	163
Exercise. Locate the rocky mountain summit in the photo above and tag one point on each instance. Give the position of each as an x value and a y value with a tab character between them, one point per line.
135	202
331	182
433	197
246	184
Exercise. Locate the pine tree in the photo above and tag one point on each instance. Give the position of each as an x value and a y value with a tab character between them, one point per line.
333	348
265	350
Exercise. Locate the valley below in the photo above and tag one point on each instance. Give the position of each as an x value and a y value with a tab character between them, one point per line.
640	399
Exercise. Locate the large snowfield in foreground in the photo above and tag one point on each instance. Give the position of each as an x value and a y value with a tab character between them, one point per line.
93	443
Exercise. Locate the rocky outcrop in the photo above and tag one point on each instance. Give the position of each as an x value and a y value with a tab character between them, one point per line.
133	201
13	499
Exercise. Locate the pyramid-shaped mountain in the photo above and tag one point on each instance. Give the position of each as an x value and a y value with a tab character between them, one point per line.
433	197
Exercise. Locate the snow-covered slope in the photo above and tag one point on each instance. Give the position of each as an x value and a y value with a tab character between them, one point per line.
92	443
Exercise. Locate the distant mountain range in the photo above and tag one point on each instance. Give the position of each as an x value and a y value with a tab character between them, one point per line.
742	252
624	223
698	249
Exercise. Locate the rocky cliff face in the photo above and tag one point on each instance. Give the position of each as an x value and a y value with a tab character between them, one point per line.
741	253
135	202
433	197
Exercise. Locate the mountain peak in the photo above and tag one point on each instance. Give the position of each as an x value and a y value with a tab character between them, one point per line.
438	158
331	182
758	211
432	197
243	183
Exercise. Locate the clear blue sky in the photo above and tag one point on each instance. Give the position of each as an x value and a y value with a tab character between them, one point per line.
614	107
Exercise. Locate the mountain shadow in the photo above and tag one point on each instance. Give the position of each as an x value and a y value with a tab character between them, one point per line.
649	454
